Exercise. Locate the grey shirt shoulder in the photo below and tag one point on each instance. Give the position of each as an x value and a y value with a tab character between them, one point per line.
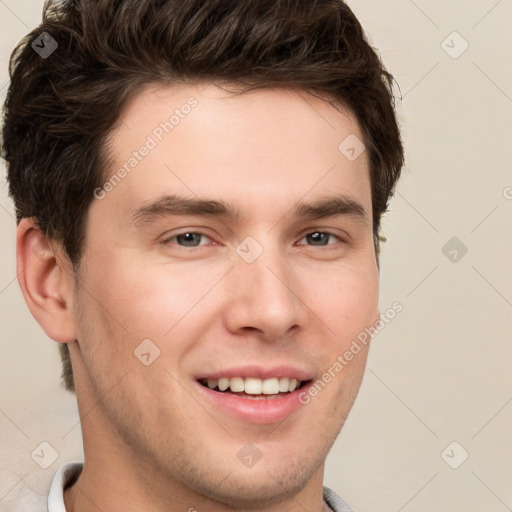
335	502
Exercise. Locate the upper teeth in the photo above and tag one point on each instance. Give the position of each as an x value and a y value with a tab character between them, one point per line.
253	386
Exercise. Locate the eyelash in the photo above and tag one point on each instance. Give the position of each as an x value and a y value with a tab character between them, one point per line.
168	239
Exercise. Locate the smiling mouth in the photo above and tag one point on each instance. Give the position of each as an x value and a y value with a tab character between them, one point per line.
253	388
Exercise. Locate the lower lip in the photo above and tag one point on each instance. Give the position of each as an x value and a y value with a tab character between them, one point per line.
263	411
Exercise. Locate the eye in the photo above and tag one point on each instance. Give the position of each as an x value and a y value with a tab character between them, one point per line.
193	239
187	239
320	238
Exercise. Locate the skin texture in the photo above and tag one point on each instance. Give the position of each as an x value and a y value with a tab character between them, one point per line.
151	441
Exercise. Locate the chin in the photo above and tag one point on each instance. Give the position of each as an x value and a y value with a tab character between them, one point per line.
264	484
260	489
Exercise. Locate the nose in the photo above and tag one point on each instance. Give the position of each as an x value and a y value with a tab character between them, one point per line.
264	296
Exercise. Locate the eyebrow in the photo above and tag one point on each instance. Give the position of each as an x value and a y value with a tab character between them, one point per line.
174	205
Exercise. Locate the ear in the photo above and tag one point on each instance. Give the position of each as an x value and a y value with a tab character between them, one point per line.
46	280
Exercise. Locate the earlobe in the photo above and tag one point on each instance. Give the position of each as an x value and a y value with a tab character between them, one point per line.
46	281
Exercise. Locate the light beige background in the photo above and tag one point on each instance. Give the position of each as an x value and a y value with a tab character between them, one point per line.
440	371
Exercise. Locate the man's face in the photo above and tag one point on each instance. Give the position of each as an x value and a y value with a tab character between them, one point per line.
269	294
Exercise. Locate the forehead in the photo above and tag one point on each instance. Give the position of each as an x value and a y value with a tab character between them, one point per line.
266	144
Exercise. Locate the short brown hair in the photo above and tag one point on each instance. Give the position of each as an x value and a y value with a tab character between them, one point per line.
60	108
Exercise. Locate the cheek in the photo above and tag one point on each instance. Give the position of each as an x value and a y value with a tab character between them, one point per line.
346	302
145	302
134	303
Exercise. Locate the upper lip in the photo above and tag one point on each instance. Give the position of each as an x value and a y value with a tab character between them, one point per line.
258	372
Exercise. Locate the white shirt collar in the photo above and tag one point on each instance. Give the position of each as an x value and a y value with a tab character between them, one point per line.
64	476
